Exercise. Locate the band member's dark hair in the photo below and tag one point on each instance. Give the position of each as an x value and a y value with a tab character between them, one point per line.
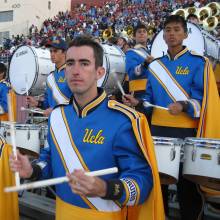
176	19
139	26
3	69
192	16
88	41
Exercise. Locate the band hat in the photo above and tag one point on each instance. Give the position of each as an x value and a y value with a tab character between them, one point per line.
58	44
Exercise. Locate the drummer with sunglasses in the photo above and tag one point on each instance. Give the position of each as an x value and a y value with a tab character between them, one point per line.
57	91
182	81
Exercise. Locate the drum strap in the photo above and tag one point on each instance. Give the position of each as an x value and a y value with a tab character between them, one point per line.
71	157
57	94
165	78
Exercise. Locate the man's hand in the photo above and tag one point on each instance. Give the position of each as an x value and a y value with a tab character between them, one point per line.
47	112
84	185
31	101
175	108
129	100
21	165
149	59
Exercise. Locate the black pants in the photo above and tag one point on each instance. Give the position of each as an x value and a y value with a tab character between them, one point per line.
190	200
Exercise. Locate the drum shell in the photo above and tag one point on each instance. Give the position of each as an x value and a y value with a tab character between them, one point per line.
202	162
168	152
113	62
29	68
27	137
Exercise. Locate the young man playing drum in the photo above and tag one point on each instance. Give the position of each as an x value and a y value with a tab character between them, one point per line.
83	138
184	82
57	91
137	59
4	90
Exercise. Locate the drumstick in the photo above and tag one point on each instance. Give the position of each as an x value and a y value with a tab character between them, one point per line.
32	110
13	141
118	82
148	104
26	84
58	180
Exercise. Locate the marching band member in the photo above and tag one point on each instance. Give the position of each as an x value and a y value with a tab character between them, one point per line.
137	59
83	138
57	90
4	90
184	82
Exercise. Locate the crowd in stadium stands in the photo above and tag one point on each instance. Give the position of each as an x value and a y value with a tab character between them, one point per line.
93	20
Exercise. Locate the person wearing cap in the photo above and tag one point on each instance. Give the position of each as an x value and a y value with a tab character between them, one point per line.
137	60
57	91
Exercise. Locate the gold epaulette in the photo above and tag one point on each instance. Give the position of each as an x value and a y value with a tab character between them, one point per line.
130	112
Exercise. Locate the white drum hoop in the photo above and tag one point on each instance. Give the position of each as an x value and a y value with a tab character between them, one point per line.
28	69
202	161
195	42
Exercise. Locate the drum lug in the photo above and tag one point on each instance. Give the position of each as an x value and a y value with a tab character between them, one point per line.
218	158
28	134
193	154
5	134
172	154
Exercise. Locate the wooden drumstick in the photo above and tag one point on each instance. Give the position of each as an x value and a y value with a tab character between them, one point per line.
58	180
26	85
148	104
32	110
118	82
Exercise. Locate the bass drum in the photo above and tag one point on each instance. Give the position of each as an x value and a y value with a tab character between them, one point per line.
28	70
195	41
114	64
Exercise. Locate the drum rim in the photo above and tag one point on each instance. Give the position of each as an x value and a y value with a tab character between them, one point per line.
36	67
174	144
27	126
167	138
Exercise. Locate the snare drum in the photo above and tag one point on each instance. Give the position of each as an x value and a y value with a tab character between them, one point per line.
168	158
29	68
27	137
202	161
113	62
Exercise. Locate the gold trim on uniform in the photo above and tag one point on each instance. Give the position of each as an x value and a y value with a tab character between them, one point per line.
93	104
72	142
62	67
137	85
174	80
58	149
179	54
138	192
126	193
163	85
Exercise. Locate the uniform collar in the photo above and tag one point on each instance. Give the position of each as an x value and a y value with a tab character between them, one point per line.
182	52
91	106
61	67
138	46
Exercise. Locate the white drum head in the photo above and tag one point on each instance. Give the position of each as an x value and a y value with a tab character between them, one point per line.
26	65
194	42
23	69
